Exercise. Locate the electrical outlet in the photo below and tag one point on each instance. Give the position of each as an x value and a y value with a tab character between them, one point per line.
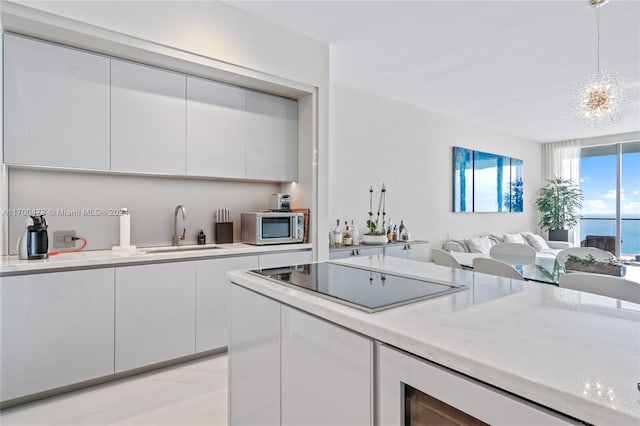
64	239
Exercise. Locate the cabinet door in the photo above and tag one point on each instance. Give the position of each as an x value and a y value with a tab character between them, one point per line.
401	250
147	119
326	372
57	329
274	260
56	105
216	129
212	299
355	251
272	137
254	359
419	251
155	313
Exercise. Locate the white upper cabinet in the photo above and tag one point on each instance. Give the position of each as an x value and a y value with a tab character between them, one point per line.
272	137
56	105
216	129
64	107
147	119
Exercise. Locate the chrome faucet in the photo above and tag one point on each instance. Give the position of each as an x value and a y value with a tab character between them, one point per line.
177	238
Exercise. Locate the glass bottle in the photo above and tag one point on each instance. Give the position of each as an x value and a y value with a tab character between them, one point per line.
346	237
355	233
338	234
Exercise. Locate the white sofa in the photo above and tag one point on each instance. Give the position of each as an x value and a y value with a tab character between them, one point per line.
479	246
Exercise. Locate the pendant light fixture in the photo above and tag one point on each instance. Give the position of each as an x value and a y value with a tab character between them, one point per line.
601	99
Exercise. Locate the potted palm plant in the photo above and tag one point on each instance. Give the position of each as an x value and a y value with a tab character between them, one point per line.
559	202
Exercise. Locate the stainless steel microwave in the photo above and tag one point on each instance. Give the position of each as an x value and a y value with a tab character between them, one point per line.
272	227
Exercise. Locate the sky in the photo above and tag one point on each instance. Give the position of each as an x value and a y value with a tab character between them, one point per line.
598	183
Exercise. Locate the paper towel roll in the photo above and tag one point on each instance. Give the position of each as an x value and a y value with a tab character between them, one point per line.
125	228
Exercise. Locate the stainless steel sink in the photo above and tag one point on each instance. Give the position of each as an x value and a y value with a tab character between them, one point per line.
173	249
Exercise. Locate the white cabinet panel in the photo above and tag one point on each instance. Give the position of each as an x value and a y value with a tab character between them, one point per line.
254	359
272	137
216	129
414	250
401	251
326	373
476	399
419	251
355	251
212	299
147	119
155	313
56	105
273	260
57	329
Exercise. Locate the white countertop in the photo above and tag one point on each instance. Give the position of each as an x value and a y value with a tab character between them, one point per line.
11	265
535	340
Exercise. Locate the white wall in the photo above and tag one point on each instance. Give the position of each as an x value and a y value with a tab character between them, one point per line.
208	29
375	140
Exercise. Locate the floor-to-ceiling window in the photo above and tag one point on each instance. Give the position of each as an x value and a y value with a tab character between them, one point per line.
610	180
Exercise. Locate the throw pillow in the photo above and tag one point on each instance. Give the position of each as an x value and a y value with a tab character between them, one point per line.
479	245
514	238
536	241
498	237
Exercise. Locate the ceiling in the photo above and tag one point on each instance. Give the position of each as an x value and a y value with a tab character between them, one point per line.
505	65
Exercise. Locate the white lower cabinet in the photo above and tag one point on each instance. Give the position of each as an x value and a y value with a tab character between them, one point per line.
289	368
274	260
354	252
254	359
401	251
326	372
154	313
414	250
212	299
57	330
463	396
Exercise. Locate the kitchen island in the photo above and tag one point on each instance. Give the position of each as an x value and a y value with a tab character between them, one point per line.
537	349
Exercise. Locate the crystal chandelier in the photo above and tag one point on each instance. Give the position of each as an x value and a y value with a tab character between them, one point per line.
601	99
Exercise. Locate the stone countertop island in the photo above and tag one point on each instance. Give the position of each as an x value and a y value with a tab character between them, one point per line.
539	342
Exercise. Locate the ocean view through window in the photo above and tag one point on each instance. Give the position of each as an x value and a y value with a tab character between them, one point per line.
603	198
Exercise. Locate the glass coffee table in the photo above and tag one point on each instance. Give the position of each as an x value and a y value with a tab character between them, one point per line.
545	270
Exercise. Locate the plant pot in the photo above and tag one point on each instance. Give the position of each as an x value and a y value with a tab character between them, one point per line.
558	235
596	268
374	239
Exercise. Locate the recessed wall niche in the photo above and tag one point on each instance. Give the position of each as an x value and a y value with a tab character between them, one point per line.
485	182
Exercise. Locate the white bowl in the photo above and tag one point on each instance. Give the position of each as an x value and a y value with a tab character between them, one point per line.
374	239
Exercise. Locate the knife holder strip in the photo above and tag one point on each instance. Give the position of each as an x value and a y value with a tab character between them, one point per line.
223	232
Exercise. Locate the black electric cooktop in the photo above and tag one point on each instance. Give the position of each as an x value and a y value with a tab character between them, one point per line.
363	289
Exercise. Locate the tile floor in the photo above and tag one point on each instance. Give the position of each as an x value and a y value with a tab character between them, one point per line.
194	393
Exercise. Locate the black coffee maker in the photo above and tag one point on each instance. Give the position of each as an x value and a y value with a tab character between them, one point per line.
34	242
